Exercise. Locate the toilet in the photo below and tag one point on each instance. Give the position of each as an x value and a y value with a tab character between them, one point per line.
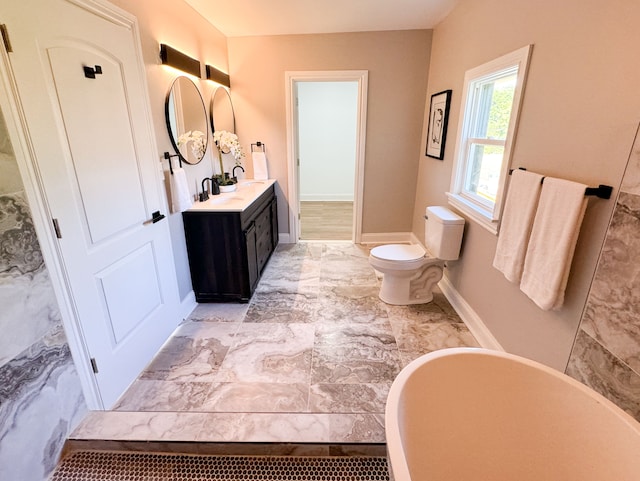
409	272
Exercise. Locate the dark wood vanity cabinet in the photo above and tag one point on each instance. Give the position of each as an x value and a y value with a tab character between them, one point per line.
229	250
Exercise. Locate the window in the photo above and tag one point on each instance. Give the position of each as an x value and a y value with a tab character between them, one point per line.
491	100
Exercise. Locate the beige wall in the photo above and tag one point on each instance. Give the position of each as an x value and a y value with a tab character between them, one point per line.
581	108
397	63
177	24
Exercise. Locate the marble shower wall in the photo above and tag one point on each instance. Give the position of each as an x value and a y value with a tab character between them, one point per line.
606	354
41	399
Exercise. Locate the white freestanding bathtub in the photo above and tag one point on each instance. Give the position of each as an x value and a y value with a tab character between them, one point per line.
474	414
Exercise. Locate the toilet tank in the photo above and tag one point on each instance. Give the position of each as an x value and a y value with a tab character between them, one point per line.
443	233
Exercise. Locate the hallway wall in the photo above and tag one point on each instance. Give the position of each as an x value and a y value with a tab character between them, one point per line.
327	130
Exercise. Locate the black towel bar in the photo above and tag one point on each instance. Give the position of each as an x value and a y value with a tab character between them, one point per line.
601	192
259	145
168	156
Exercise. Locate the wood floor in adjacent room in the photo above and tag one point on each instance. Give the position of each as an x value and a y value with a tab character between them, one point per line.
326	220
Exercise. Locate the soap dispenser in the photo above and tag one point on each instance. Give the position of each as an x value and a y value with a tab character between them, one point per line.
215	186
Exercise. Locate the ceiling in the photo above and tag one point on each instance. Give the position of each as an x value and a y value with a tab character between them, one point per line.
239	18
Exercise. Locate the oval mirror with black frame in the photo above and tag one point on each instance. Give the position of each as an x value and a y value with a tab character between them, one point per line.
221	111
185	113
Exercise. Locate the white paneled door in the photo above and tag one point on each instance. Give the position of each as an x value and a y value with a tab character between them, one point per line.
80	82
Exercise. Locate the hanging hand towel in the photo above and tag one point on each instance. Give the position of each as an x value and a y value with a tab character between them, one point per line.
517	221
553	241
180	197
259	165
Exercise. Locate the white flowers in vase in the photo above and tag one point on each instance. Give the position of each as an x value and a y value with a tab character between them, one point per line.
227	142
198	142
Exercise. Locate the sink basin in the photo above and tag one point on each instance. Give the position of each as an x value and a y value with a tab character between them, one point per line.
224	199
237	201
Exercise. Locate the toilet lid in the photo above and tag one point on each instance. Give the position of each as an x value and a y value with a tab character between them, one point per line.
399	252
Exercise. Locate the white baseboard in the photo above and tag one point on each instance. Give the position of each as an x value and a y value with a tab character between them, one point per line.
187	305
478	328
388	238
326	198
284	238
414	240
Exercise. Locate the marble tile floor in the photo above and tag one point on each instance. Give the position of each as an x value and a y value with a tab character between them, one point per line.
309	359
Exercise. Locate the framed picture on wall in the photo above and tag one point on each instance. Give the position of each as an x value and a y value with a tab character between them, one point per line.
437	127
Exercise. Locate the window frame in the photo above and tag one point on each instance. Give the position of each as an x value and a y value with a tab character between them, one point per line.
482	212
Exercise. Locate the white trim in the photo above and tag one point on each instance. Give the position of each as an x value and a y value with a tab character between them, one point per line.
482	217
489	219
284	238
291	78
414	240
326	198
389	238
471	319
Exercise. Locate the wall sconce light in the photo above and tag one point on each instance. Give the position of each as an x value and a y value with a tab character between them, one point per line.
172	57
218	76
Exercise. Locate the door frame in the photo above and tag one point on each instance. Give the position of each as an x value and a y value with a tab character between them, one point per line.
36	195
293	169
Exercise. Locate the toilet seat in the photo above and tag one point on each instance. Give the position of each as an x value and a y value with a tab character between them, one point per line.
400	257
399	252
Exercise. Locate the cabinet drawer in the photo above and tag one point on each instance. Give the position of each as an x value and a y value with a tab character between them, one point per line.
252	256
264	247
263	222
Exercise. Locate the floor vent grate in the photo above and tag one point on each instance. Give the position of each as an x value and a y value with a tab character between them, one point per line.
117	466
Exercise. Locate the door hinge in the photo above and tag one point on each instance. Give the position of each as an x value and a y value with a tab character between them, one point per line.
56	227
298	160
94	365
5	38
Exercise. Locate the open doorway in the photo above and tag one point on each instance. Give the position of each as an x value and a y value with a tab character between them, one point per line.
327	139
326	113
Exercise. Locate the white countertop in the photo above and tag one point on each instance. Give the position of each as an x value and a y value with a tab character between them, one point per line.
247	191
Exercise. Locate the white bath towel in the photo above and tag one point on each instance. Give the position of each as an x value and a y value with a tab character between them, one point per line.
180	196
517	221
553	241
259	165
